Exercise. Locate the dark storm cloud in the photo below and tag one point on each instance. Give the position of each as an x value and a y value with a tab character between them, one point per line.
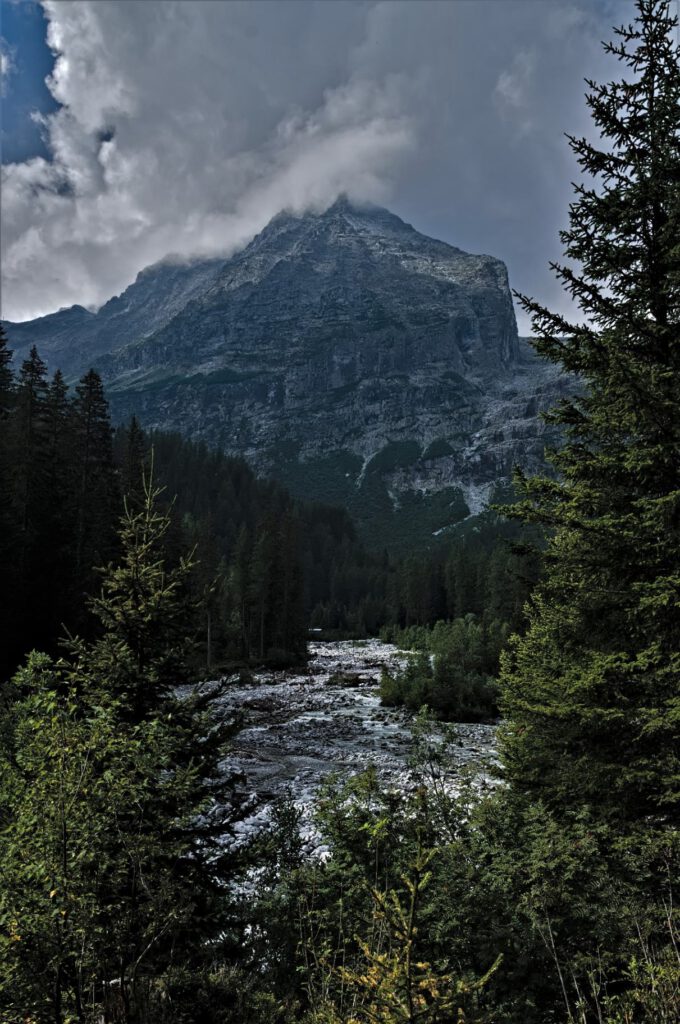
185	126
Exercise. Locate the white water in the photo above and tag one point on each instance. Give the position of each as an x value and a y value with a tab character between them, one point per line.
300	727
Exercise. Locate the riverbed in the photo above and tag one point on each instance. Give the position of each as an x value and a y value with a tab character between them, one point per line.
300	727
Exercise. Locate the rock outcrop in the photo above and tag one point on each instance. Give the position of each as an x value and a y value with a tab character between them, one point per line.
344	352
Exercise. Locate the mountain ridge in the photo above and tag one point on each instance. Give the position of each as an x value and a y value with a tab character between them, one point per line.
341	351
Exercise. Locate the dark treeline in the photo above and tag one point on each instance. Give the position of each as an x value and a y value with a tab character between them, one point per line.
247	542
66	478
60	502
457	609
488	572
240	525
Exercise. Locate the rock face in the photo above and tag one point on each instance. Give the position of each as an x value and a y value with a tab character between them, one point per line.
344	352
75	339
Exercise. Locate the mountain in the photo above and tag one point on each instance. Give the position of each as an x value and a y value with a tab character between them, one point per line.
75	339
343	352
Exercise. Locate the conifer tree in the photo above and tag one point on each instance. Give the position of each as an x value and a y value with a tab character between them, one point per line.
53	572
30	497
591	691
6	375
144	609
8	523
96	489
28	435
114	807
134	462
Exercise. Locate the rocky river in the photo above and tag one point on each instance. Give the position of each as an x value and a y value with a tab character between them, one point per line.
299	727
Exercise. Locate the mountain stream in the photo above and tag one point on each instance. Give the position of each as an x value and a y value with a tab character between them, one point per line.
299	727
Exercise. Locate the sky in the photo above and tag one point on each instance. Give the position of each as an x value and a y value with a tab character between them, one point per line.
137	129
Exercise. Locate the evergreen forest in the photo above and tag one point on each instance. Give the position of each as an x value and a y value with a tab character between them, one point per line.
143	575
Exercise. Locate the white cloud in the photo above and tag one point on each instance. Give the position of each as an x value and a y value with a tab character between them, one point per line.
7	67
513	92
185	126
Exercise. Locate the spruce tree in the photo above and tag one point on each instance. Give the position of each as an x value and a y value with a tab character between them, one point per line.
133	462
27	438
8	523
115	810
52	583
143	661
144	609
30	498
591	690
6	375
96	487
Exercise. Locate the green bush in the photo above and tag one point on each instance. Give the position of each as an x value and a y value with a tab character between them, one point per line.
453	671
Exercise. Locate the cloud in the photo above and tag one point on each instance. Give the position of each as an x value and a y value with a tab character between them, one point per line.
514	88
7	66
185	126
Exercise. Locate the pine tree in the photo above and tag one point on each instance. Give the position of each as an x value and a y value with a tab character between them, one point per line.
142	661
28	435
145	611
6	375
8	524
114	807
591	691
134	462
96	488
53	549
28	473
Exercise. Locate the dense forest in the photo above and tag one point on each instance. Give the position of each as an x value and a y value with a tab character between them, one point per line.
67	480
546	893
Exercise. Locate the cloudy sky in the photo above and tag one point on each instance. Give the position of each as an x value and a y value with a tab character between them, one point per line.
133	129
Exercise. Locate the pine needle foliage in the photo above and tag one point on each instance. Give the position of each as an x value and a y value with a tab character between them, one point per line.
144	608
115	813
393	985
591	690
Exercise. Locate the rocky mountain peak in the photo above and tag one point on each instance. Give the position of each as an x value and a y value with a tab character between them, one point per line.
341	350
345	222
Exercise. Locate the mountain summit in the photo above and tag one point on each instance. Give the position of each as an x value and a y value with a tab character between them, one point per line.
343	351
356	265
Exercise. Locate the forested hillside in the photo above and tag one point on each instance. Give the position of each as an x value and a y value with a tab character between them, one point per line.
266	566
66	480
